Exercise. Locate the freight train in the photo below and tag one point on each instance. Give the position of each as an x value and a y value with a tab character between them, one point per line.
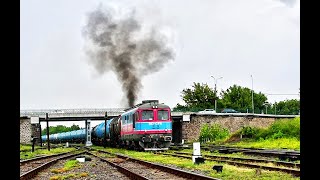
145	126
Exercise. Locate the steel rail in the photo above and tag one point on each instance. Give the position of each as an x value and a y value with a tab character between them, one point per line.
175	171
287	170
123	170
30	174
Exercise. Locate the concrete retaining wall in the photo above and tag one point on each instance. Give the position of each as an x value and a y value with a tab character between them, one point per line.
191	129
25	131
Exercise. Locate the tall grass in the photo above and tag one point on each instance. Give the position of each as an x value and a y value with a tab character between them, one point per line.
213	132
283	133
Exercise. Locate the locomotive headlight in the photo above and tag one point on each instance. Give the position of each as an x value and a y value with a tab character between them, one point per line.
145	130
166	129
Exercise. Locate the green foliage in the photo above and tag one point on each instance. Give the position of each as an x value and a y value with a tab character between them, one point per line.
71	164
286	107
201	97
213	132
29	154
248	131
59	129
240	99
284	128
289	143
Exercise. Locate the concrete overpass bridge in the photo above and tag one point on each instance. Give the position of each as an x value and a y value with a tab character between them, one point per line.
99	114
185	125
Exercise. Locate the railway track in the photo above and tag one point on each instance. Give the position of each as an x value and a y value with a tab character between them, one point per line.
237	162
281	154
255	160
129	167
29	168
155	171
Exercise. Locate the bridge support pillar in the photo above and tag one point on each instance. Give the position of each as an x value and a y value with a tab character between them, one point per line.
88	133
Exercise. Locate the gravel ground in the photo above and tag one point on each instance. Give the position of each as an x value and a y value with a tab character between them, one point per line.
145	171
95	169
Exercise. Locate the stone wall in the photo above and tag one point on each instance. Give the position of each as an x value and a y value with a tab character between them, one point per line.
28	130
25	131
191	129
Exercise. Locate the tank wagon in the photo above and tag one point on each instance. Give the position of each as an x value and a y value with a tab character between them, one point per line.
145	126
77	136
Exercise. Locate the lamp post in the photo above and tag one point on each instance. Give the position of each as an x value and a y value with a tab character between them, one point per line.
266	104
252	96
215	91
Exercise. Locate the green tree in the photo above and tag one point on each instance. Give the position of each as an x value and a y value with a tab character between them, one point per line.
286	107
240	99
199	97
59	129
74	127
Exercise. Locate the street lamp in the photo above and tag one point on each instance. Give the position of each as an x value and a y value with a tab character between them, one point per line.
266	104
252	96
215	91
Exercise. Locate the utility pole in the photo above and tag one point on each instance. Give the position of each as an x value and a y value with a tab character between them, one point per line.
252	96
266	104
48	140
215	91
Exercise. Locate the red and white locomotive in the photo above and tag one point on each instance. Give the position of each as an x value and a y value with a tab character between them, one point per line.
146	126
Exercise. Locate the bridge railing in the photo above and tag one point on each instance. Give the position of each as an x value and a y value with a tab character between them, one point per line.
66	112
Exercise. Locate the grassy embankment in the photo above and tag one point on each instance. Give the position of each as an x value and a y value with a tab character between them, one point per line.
39	152
229	172
282	134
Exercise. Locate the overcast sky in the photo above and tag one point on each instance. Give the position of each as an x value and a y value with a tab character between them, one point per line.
221	38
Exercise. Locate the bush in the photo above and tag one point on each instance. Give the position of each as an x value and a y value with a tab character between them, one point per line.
213	132
248	131
284	128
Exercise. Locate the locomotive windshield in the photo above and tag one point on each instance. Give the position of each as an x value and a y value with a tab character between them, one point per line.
147	115
163	115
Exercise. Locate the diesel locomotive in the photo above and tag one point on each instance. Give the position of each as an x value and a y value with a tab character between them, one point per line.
145	126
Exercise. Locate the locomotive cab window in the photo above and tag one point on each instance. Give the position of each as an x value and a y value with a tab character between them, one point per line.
147	115
163	115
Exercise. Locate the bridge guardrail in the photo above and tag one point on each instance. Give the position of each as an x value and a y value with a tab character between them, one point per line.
65	112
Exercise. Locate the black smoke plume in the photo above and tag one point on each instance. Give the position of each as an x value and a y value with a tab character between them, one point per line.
119	45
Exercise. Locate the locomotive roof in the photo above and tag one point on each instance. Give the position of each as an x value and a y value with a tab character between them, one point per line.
146	106
150	105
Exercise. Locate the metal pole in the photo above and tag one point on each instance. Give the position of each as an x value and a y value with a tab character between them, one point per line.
48	140
215	99
105	133
40	134
215	91
252	96
86	124
33	141
266	109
